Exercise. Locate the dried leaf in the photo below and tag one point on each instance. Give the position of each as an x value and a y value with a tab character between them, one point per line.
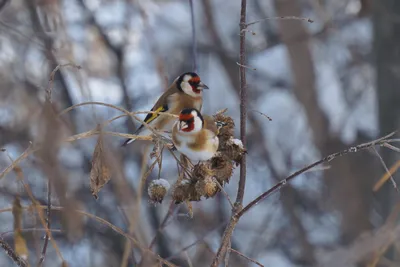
19	242
222	111
100	173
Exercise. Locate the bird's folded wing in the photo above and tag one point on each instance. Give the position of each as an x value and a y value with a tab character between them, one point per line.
209	123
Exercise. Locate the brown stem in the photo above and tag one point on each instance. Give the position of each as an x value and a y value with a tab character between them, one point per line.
48	213
243	114
243	100
12	254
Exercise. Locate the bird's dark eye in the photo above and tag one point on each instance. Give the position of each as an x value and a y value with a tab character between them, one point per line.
190	121
194	81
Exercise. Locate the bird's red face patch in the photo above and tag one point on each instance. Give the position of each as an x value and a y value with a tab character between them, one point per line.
189	128
188	120
185	117
194	83
195	79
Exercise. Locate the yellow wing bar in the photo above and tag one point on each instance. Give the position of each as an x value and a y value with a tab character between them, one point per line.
151	116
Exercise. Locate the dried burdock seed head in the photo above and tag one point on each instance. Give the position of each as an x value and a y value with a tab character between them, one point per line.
234	149
222	168
201	171
185	191
207	187
228	128
229	146
157	190
207	176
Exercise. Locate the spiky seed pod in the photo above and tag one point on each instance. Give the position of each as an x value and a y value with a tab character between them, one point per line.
202	170
185	191
222	168
234	149
207	187
227	131
157	190
227	144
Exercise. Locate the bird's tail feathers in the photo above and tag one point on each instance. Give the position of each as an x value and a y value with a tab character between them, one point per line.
128	141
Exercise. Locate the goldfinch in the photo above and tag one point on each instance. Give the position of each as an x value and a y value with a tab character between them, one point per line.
185	92
195	135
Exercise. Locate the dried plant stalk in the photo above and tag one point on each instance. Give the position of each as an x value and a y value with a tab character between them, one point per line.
19	242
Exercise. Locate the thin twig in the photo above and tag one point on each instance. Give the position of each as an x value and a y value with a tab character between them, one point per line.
28	190
247	258
392	147
12	254
32	230
244	66
127	113
184	168
386	176
224	192
265	115
281	18
106	223
378	142
48	214
194	41
15	162
243	118
41	218
53	74
386	169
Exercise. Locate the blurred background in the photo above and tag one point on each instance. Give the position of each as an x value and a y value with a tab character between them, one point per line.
327	85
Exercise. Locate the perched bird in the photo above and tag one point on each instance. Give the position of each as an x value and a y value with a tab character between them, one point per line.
185	92
195	135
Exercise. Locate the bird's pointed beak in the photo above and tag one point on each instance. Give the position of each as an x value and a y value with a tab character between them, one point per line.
183	125
202	86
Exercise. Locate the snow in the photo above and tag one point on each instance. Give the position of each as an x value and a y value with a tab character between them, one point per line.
237	142
288	137
161	182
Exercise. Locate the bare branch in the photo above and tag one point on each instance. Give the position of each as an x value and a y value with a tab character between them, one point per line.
378	142
224	192
244	66
281	18
48	220
11	253
386	169
392	147
226	238
247	258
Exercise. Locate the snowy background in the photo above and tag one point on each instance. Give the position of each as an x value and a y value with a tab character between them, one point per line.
317	81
